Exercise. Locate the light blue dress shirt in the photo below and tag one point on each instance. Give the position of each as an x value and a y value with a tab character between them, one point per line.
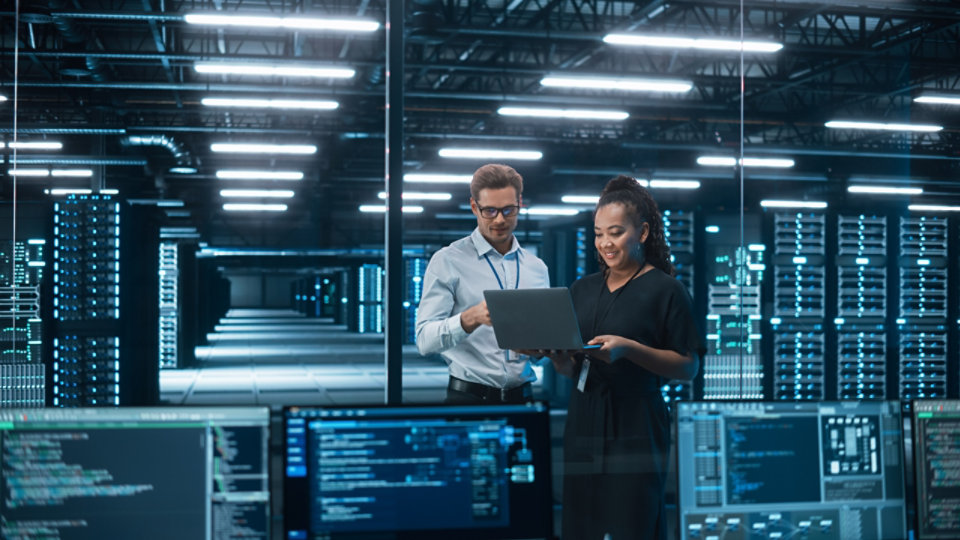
455	280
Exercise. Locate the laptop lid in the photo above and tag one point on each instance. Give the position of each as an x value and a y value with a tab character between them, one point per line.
534	319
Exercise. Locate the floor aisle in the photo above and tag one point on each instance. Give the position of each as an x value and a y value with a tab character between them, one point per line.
280	357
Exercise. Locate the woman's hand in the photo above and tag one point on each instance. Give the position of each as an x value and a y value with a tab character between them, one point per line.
611	347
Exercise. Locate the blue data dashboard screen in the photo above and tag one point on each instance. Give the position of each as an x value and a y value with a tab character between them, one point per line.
418	472
812	470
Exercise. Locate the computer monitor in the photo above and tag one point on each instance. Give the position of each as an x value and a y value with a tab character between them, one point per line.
936	432
811	470
156	473
418	472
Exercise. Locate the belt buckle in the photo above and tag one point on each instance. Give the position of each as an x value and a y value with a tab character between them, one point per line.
504	394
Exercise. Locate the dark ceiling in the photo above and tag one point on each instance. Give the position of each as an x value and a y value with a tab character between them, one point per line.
115	82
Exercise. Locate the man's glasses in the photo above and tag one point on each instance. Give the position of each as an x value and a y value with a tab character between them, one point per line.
491	212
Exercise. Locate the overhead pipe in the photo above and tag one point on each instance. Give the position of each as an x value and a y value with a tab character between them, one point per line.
181	155
75	35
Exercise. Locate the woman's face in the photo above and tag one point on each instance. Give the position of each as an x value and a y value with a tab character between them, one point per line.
616	238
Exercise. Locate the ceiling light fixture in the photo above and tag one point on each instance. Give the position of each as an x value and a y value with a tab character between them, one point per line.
726	161
490	153
616	83
933	208
275	70
37	173
252	103
792	204
549	211
580	199
938	100
72	173
258	148
419	196
675	184
34	145
293	23
252	207
428	178
68	191
242	174
879	126
884	190
257	193
182	169
571	114
382	209
2	98
673	42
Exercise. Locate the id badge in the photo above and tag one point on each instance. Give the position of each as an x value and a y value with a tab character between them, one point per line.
584	370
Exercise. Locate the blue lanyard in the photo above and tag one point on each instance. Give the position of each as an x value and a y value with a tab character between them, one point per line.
494	270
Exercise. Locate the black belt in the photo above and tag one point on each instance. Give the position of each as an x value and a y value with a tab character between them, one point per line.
521	393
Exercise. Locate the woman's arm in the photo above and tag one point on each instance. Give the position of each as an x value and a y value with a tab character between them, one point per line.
666	363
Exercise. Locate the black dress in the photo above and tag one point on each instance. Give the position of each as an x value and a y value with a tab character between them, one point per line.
617	436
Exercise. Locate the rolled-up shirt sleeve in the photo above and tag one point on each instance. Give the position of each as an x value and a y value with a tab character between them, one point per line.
438	327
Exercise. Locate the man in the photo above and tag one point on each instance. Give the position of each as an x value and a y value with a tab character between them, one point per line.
453	320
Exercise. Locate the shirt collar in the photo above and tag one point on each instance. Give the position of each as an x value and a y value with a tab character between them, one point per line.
484	247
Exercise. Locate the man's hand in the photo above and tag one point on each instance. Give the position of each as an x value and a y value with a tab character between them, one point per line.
563	361
475	316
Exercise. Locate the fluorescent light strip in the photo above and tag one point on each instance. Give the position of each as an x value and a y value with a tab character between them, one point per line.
672	42
275	70
2	98
34	145
382	209
570	114
939	100
255	148
428	178
793	204
183	170
726	161
295	23
933	208
241	174
250	103
616	83
549	211
37	173
675	184
490	153
580	199
848	124
419	196
884	190
68	191
251	207
110	191
255	193
72	173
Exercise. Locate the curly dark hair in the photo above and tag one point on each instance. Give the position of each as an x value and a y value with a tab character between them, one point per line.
642	208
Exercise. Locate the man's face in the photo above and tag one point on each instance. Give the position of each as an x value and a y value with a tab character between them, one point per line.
497	230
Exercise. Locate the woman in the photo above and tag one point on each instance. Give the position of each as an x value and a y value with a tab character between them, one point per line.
617	437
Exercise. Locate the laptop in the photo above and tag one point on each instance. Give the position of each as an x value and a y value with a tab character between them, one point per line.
535	319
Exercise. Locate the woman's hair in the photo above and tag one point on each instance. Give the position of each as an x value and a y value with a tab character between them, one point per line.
641	208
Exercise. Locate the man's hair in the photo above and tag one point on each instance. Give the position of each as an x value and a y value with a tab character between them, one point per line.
495	176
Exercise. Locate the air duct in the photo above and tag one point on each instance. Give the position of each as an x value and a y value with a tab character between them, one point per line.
77	37
185	162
